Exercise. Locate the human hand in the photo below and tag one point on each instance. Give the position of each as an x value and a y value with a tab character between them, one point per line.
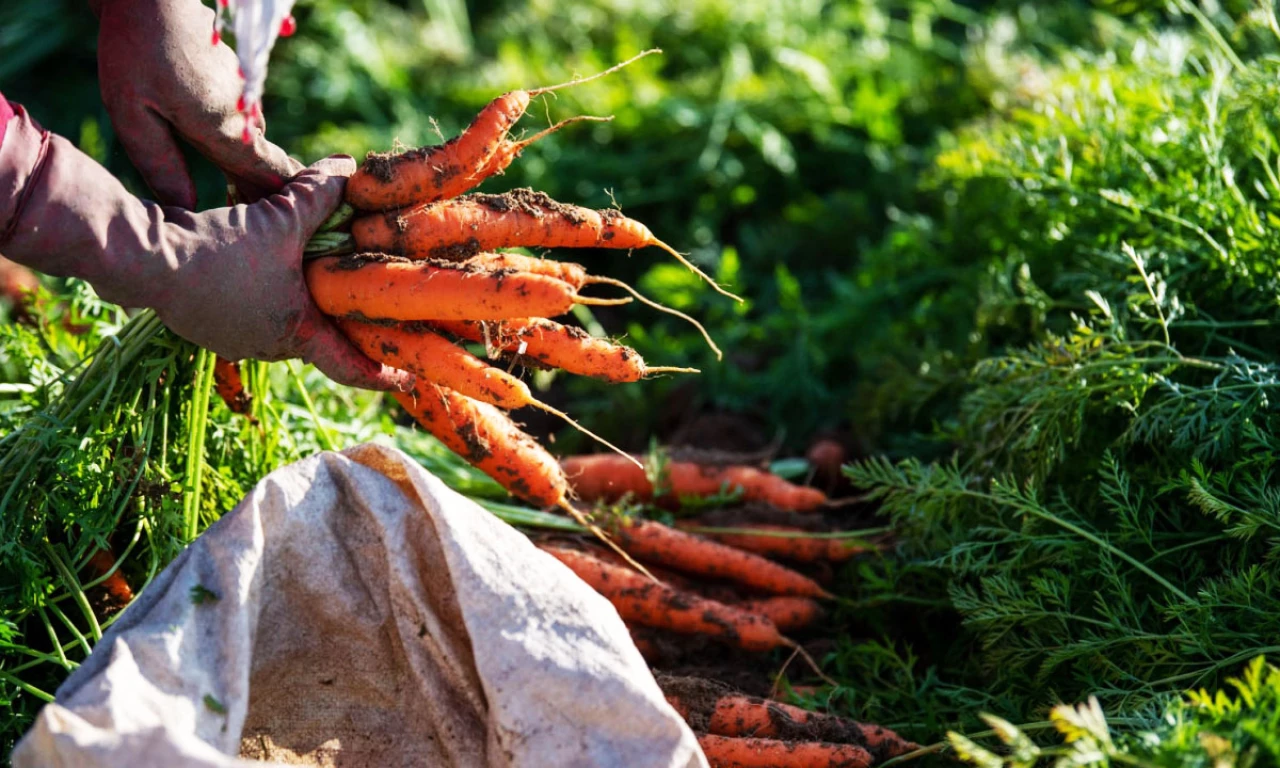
162	78
240	290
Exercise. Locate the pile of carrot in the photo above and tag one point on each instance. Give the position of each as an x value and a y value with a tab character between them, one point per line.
428	277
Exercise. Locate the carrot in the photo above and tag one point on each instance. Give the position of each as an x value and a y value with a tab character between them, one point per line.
576	275
230	387
412	347
651	540
729	752
488	439
644	643
432	173
646	602
461	227
798	547
787	613
602	477
397	290
559	346
102	562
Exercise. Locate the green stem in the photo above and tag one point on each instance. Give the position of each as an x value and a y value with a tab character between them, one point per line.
326	440
31	689
73	585
199	420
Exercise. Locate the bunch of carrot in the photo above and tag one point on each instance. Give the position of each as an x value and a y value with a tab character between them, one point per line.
426	276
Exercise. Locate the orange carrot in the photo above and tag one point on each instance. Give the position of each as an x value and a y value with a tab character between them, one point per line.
117	588
461	227
573	274
387	181
488	439
411	347
602	477
641	600
729	752
793	546
576	275
559	346
787	613
399	290
651	540
230	387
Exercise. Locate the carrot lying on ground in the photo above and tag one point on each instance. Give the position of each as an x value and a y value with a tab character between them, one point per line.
488	439
653	541
462	227
102	562
400	290
601	477
437	172
640	600
230	386
713	707
576	275
413	347
793	544
558	346
729	752
787	613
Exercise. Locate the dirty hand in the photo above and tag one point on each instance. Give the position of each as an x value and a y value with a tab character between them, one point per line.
228	279
162	78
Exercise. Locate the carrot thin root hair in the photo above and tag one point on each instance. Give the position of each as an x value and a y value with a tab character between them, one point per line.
660	307
561	414
680	257
600	534
579	81
668	369
592	301
522	143
798	650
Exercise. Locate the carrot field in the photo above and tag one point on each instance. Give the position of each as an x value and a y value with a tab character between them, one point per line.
905	373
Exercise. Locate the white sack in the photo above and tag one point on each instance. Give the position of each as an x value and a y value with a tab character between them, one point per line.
367	615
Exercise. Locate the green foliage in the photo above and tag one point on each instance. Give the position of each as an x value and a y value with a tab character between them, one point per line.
1093	420
1236	727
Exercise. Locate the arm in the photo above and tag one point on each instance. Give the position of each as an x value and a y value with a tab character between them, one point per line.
229	279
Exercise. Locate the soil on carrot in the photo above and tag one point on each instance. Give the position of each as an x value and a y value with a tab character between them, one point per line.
529	202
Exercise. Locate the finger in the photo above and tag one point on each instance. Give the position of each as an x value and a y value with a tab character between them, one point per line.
150	144
315	192
258	169
337	358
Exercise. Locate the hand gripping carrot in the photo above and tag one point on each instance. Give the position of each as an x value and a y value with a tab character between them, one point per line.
559	346
641	600
433	173
651	540
462	227
488	439
604	478
400	290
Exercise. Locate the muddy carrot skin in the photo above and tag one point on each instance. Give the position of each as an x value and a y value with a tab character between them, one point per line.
556	346
573	274
730	752
432	173
798	547
411	347
488	439
642	601
115	585
789	614
399	290
601	477
653	541
462	227
230	386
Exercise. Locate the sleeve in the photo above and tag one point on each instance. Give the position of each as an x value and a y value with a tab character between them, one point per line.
6	112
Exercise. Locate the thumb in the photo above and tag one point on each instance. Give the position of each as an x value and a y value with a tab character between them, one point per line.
315	192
